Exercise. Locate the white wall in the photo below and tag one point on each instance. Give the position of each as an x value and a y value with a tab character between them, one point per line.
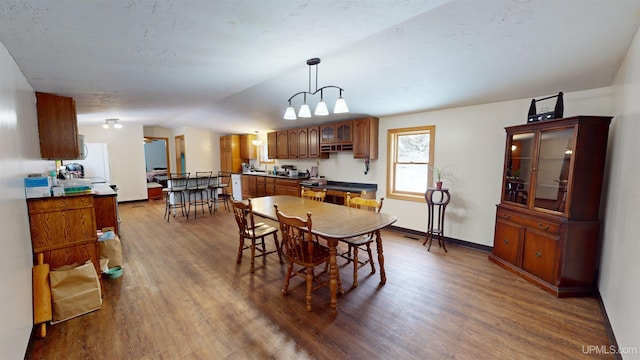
202	149
472	139
19	156
618	283
126	155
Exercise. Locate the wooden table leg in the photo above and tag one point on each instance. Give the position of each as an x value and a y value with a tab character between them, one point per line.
333	275
383	275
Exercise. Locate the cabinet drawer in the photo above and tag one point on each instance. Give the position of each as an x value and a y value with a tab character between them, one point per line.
43	205
506	242
537	224
539	256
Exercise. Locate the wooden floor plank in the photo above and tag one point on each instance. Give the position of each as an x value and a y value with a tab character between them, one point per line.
182	296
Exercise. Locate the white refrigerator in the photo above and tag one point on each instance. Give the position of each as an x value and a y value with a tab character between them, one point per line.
236	184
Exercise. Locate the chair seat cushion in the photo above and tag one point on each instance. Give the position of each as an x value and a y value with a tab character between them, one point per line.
262	230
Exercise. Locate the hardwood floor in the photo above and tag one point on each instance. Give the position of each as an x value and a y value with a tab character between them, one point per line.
182	296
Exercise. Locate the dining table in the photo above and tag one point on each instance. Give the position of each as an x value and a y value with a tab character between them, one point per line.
331	222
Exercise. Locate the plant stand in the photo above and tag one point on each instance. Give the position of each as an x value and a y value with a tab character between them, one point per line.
437	200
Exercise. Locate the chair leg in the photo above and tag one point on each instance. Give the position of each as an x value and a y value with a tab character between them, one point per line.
309	287
285	288
253	253
373	267
356	264
239	258
278	248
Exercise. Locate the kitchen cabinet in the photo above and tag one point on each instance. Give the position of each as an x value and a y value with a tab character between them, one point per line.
230	160
293	147
282	143
365	138
547	226
313	143
247	149
105	208
249	183
57	127
287	187
302	136
336	137
272	148
64	229
265	186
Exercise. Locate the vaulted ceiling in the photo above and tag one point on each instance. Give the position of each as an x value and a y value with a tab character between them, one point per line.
230	66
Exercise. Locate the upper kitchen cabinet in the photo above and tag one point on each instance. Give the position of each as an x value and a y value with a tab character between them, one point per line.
336	137
57	127
313	142
272	145
293	147
365	138
282	143
247	149
230	160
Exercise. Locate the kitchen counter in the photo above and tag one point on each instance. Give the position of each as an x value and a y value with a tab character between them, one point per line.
351	187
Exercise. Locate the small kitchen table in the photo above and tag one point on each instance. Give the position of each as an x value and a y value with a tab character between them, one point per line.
331	222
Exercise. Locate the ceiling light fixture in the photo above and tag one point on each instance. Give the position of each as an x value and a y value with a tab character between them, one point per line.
114	121
321	108
256	141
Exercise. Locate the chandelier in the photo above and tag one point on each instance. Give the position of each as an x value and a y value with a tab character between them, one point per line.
114	121
321	108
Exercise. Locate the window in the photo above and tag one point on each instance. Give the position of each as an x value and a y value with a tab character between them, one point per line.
410	154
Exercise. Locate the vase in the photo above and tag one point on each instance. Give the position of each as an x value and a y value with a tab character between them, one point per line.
439	185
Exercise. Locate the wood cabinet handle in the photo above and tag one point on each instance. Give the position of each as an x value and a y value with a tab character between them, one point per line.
538	254
506	216
543	227
506	241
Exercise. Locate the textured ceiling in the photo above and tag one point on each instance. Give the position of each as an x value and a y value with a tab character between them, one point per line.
230	66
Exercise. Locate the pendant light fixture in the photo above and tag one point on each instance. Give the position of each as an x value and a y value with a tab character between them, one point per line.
321	107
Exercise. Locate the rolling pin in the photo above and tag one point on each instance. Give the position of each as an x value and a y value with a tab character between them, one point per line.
41	296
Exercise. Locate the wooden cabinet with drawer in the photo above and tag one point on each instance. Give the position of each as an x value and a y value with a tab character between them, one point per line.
287	187
64	230
555	254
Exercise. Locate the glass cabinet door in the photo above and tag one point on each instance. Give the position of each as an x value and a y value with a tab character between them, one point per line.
554	163
518	168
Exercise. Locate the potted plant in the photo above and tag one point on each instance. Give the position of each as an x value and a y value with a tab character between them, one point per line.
441	173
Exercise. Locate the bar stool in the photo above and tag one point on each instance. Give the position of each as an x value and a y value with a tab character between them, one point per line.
198	190
174	194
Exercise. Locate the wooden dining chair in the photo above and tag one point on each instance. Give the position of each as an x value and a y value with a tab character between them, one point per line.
362	242
313	195
302	251
248	229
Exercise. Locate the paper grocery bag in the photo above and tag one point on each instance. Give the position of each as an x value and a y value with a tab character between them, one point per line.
75	290
111	249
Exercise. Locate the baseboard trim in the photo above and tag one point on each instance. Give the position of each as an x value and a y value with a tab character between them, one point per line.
421	235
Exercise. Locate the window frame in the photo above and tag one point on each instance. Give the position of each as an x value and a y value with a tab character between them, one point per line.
392	154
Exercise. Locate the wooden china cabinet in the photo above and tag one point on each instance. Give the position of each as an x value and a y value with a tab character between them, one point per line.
547	226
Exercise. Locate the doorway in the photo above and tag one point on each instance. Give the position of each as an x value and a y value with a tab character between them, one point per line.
156	153
181	161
